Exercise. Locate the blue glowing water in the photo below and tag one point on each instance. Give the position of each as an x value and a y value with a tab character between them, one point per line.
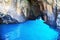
30	30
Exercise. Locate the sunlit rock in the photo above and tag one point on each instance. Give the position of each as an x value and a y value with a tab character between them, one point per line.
13	11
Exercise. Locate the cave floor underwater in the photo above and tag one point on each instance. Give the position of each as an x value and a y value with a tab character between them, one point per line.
29	30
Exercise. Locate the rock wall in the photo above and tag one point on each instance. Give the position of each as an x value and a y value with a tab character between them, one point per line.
16	9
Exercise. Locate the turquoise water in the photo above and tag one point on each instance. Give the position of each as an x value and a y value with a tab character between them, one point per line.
30	30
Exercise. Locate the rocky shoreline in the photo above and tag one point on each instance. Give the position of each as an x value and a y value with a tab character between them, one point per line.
7	19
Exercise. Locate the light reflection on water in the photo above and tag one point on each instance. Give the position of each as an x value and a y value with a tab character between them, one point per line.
30	30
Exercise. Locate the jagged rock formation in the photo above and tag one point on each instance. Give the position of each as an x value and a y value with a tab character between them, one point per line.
7	19
13	11
20	10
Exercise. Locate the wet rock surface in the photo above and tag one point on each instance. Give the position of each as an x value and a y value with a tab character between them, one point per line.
8	19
